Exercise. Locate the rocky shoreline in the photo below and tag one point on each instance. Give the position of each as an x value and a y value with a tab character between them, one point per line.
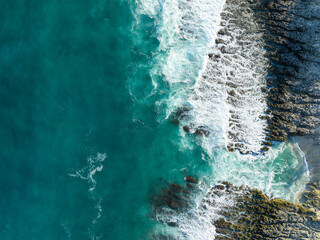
293	88
249	213
293	93
257	216
290	65
293	97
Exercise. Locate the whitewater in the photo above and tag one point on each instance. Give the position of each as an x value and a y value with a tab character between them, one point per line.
211	68
110	106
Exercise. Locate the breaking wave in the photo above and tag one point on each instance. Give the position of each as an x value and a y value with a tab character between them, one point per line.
211	57
212	66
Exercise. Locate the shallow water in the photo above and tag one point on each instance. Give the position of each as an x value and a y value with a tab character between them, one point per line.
86	139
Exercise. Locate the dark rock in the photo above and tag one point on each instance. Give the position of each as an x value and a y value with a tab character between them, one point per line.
202	132
267	144
220	187
172	224
172	203
253	214
256	216
219	40
191	179
185	191
174	121
176	187
293	92
186	129
227	185
189	185
264	149
179	114
166	191
222	223
244	188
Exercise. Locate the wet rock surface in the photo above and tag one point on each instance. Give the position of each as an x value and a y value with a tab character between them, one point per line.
291	38
241	212
256	216
191	179
179	114
291	34
264	67
235	72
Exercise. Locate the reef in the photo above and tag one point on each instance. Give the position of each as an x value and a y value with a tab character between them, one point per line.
175	197
254	215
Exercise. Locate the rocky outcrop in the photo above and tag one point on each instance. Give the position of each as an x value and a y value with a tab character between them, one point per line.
293	88
257	216
240	212
264	66
235	72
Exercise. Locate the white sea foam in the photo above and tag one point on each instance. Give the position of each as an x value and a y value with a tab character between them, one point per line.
223	93
94	164
186	30
87	173
66	228
227	98
197	222
281	173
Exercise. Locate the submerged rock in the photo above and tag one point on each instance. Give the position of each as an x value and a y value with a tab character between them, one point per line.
179	114
186	129
174	196
202	132
191	179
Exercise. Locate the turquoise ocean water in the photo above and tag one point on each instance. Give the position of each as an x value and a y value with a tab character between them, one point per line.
65	68
85	141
